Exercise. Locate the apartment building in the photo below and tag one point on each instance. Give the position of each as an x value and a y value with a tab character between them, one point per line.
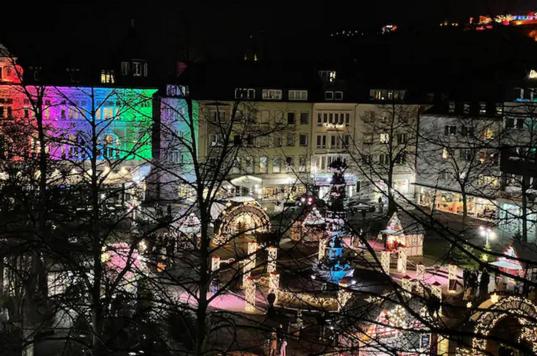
332	136
478	157
273	129
385	145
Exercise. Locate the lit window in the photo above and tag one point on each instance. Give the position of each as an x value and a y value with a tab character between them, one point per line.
272	94
299	95
263	164
276	165
488	134
445	153
384	138
107	76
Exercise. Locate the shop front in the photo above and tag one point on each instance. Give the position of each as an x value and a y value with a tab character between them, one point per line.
280	187
452	202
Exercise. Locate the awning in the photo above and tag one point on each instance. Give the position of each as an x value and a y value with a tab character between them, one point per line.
507	264
246	181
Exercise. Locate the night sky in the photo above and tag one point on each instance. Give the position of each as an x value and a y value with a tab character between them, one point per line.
215	28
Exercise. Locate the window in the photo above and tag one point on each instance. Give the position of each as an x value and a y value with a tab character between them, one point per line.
366	159
327	75
319	119
276	165
263	117
289	164
214	140
217	116
263	164
299	95
467	131
321	141
107	76
302	164
482	108
369	117
384	138
445	153
303	140
290	139
499	109
333	142
401	138
338	95
271	94
245	93
278	117
248	164
368	138
488	134
466	108
277	140
328	95
347	119
137	69
304	118
465	155
450	130
384	159
236	166
291	118
511	123
401	158
451	107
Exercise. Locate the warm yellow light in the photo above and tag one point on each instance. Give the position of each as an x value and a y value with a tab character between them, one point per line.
494	298
533	74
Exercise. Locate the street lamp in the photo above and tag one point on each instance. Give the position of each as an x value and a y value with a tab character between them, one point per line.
487	233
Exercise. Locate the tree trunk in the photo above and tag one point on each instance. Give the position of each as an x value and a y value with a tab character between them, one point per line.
524	209
464	207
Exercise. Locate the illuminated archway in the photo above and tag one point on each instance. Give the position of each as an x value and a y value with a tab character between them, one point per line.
495	311
240	218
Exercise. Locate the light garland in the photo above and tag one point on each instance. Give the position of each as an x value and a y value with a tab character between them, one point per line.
249	295
401	261
522	307
272	257
420	272
452	278
385	261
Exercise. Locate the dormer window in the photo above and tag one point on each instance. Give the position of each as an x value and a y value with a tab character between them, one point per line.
136	69
338	95
107	76
245	93
272	94
327	75
328	95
